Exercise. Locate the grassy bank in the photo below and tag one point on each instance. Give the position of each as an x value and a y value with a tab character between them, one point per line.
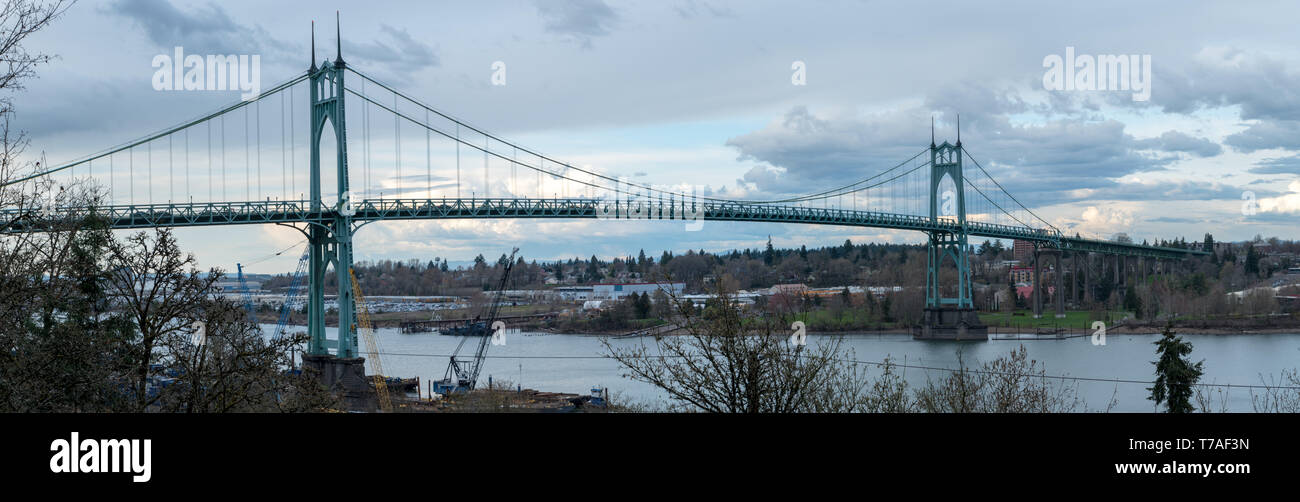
1074	319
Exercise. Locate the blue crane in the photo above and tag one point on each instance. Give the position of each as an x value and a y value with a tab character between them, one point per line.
462	372
243	290
295	290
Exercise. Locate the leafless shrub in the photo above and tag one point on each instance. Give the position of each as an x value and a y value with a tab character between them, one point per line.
1211	399
1281	394
730	361
1008	384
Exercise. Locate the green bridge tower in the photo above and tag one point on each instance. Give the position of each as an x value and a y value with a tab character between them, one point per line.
330	243
948	318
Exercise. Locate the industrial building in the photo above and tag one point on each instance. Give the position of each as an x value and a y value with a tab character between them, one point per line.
616	291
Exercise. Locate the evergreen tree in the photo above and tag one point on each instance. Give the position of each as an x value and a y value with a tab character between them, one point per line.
643	305
593	270
1132	302
1252	260
1175	374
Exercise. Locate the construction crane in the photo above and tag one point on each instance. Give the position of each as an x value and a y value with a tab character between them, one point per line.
367	332
295	288
243	291
462	372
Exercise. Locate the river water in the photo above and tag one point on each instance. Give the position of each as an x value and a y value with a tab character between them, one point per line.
573	363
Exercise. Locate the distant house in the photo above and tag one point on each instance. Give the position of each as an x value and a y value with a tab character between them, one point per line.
1021	275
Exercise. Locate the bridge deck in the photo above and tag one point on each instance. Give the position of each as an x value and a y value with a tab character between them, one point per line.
687	213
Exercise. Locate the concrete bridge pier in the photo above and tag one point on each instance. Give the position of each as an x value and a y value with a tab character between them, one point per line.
1087	270
1121	281
1040	289
1058	293
1038	283
344	377
1074	279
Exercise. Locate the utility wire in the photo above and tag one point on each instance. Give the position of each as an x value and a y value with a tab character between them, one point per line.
275	254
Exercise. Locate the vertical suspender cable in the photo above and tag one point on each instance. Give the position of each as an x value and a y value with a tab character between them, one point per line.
258	110
457	160
284	168
428	157
365	140
293	143
248	166
171	173
397	141
224	194
209	162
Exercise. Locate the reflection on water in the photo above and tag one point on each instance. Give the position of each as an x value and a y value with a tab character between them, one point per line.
573	363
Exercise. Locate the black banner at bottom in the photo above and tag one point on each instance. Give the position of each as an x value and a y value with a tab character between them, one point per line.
326	453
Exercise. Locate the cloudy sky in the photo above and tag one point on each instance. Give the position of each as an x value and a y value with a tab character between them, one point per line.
700	93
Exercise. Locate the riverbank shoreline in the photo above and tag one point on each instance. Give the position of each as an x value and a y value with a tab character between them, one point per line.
1026	334
1193	327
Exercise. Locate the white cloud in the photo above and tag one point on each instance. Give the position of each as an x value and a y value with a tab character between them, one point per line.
1097	222
647	66
1288	203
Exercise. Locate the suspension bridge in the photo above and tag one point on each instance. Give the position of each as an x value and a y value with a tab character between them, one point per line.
265	161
